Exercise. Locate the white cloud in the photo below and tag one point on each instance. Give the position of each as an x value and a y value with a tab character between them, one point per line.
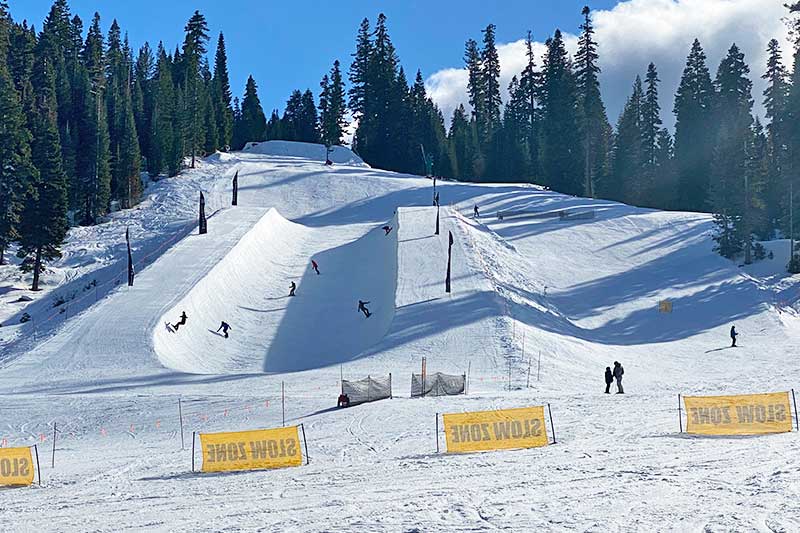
636	32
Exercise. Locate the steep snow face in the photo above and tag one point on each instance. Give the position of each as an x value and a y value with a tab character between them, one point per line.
272	331
339	155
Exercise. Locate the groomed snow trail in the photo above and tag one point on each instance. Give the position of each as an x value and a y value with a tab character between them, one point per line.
581	293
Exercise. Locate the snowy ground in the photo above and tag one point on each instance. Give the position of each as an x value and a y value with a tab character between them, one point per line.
580	292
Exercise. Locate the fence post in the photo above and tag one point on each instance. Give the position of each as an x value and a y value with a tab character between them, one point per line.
390	386
193	439
528	384
539	365
38	469
283	404
552	427
305	444
466	384
180	417
794	400
437	432
680	418
55	430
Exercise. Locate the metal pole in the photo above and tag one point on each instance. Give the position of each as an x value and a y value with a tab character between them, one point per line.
437	221
466	381
539	365
38	469
680	418
794	400
283	404
528	385
180	416
193	439
437	432
552	427
53	461
305	444
509	375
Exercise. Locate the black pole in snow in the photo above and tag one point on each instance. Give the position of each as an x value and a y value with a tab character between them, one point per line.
203	222
449	257
235	200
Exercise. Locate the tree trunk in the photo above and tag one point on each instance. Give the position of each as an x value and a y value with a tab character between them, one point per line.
2	255
37	265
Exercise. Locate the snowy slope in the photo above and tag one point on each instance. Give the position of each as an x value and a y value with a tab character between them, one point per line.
543	299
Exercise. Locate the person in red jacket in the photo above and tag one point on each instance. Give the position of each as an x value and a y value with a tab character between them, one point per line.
315	266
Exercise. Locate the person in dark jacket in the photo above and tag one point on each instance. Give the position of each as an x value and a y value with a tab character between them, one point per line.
475	211
344	400
224	327
618	371
315	266
292	288
734	334
181	322
387	230
609	379
362	307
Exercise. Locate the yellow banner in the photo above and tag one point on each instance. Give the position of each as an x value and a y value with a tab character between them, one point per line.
251	450
751	414
16	466
495	430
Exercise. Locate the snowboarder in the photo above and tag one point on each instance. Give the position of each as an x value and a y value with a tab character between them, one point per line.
181	322
475	211
362	307
609	379
387	229
224	327
344	400
292	288
618	371
315	266
734	334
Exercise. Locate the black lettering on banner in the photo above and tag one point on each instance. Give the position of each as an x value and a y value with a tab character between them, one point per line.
485	432
221	451
780	412
695	415
463	432
501	430
761	414
745	414
705	415
5	467
516	429
291	447
455	433
533	428
475	432
212	458
726	415
272	446
242	451
258	449
24	467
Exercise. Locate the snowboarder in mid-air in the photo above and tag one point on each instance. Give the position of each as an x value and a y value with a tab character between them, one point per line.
618	371
315	266
362	307
292	288
179	323
609	379
387	229
224	327
475	211
734	334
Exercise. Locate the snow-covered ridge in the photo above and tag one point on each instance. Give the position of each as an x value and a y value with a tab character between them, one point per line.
339	155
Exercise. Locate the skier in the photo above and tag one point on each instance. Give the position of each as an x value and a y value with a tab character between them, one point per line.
609	379
224	327
618	371
181	322
292	288
387	229
475	211
315	266
362	307
734	334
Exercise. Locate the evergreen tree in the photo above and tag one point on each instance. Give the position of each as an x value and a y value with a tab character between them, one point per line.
142	96
530	87
490	83
222	96
776	99
309	121
194	48
359	71
625	181
332	107
17	172
694	131
274	128
592	113
253	124
561	153
462	145
165	156
734	140
651	128
43	224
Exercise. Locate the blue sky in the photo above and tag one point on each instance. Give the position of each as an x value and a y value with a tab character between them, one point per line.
288	45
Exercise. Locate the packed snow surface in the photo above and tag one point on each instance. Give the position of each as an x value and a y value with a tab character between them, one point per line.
543	300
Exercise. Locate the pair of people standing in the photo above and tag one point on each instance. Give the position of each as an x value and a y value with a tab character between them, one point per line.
615	374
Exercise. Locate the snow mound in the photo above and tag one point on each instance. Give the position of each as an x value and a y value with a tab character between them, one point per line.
270	331
340	154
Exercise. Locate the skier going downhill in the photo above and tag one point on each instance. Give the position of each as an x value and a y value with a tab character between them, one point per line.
224	326
734	334
292	288
181	322
362	307
315	266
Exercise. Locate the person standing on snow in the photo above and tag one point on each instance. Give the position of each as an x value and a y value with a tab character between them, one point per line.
292	288
734	334
224	327
475	211
618	371
609	379
315	266
362	307
181	322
